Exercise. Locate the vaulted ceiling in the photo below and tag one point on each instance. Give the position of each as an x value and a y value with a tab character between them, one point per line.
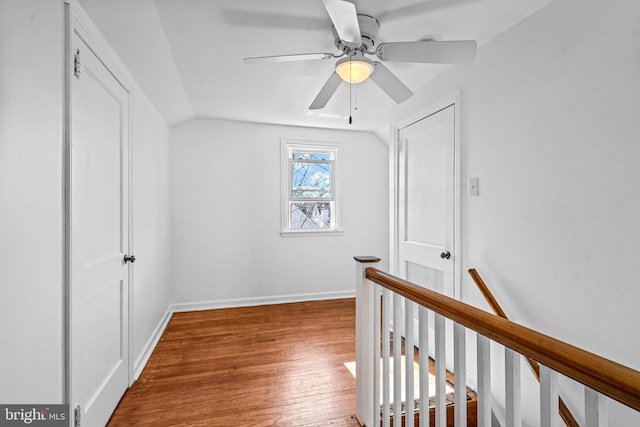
187	55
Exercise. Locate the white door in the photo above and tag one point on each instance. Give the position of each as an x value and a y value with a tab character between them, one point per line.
426	201
99	238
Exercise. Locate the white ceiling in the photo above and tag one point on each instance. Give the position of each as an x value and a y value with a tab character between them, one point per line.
187	55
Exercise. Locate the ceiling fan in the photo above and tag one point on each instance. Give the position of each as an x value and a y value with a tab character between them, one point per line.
355	39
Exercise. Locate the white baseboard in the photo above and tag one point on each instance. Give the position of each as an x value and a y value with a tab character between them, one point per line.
249	302
150	345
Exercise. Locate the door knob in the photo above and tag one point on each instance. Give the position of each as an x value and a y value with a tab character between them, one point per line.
129	258
445	255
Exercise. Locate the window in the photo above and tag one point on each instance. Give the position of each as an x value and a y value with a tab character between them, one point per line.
309	187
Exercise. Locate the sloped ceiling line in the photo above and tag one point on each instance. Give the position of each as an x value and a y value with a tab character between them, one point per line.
187	54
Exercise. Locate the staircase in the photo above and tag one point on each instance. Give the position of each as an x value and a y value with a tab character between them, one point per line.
472	421
471	397
438	326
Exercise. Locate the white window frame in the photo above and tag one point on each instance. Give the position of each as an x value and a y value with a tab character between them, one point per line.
288	146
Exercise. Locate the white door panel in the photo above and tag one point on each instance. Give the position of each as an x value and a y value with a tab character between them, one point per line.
99	228
426	209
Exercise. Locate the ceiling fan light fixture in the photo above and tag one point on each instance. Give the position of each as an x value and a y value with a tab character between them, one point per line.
354	70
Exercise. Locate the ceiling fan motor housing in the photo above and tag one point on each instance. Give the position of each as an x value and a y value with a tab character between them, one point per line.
369	27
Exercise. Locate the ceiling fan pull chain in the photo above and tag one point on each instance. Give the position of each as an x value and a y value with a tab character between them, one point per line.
350	85
355	99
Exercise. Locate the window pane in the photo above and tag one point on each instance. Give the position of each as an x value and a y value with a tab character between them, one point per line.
296	155
310	214
311	180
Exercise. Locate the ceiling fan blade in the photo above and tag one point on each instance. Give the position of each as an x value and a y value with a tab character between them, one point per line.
461	52
345	20
326	92
390	84
287	58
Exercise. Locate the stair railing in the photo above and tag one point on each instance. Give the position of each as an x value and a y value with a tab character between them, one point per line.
565	413
380	299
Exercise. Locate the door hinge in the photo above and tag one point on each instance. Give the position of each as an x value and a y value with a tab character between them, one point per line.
76	64
77	414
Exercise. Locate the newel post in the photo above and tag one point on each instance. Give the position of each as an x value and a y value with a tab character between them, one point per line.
364	341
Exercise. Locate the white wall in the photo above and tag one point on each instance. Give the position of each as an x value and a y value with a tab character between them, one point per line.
225	185
151	222
550	127
31	206
31	251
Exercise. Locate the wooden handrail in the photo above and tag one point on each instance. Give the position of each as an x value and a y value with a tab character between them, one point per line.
612	379
486	293
565	413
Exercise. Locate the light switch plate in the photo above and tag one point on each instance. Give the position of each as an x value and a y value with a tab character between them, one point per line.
473	187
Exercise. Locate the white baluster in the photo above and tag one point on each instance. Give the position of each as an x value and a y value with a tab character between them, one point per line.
397	362
423	361
484	381
441	370
596	409
408	358
512	389
386	324
548	397
376	355
460	372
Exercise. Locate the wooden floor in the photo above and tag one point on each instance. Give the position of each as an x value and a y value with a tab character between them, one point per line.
278	365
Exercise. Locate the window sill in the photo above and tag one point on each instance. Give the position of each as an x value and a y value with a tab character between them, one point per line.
307	233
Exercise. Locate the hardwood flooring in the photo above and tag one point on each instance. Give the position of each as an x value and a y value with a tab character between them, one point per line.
277	365
274	365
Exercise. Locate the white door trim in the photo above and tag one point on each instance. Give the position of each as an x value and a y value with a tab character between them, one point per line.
395	182
78	22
